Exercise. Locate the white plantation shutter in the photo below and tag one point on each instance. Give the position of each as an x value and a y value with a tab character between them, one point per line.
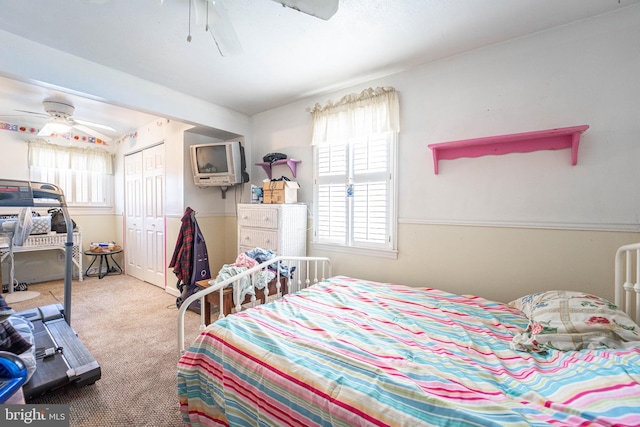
371	191
332	212
370	213
354	170
354	193
331	193
84	174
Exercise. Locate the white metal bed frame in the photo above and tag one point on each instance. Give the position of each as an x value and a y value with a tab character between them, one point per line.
627	283
627	279
308	269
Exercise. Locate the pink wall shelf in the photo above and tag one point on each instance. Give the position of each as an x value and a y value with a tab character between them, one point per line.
552	139
292	163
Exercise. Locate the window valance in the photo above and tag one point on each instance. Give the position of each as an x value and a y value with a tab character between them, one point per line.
373	111
45	155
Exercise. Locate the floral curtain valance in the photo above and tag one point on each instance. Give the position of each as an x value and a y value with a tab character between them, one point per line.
45	155
370	112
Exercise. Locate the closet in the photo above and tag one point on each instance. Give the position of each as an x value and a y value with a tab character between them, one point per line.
144	215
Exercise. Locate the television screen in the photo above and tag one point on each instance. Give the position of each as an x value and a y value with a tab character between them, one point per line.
212	159
218	163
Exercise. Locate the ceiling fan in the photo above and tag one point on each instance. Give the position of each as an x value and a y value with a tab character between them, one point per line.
221	29
59	113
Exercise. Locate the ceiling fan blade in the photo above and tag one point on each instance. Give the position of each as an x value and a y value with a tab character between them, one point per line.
93	125
323	9
92	132
35	113
221	30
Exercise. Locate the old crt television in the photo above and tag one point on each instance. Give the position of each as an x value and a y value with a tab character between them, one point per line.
218	164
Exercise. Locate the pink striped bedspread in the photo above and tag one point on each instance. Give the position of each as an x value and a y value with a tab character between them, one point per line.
350	352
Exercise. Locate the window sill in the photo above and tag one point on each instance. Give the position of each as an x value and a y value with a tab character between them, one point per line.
357	250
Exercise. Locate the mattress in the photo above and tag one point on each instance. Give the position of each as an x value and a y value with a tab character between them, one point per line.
350	352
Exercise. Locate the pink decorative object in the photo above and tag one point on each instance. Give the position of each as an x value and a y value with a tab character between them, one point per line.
553	139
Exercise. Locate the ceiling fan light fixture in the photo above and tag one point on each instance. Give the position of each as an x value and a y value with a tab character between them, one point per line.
55	126
59	127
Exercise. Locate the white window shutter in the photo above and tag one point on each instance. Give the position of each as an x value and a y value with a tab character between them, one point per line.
370	201
332	213
353	193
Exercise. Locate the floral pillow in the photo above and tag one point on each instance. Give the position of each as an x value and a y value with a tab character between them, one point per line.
526	303
567	320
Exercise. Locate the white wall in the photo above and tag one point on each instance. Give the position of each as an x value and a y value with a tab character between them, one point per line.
13	158
584	73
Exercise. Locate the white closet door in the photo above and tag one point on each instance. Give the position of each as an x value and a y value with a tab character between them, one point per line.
144	215
153	175
134	219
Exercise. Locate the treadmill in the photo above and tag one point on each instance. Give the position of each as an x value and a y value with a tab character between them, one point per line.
61	358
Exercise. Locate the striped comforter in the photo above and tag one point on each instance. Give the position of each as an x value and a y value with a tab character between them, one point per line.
350	352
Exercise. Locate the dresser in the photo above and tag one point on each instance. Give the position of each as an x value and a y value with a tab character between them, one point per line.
281	228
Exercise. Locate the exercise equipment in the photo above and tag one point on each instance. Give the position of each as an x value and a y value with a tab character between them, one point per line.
62	359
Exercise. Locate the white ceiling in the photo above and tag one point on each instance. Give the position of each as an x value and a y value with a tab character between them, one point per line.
286	55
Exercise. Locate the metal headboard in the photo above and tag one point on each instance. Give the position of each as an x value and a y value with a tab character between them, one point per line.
627	280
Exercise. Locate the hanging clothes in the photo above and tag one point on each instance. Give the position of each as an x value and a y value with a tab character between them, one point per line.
182	259
190	261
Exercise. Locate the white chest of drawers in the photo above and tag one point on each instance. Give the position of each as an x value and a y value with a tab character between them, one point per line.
281	228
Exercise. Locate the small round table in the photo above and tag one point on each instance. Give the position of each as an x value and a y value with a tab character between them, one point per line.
111	269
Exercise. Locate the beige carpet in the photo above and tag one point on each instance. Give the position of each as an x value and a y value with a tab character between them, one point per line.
130	328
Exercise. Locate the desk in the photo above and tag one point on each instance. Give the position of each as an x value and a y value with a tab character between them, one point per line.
104	256
227	297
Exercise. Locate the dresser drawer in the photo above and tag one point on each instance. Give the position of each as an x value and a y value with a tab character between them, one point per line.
256	238
262	218
281	228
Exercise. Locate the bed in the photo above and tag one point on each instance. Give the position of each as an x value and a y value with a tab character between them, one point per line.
350	352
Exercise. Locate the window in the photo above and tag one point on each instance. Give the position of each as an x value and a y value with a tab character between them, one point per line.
84	174
354	173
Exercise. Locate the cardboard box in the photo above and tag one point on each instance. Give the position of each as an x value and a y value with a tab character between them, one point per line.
280	192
